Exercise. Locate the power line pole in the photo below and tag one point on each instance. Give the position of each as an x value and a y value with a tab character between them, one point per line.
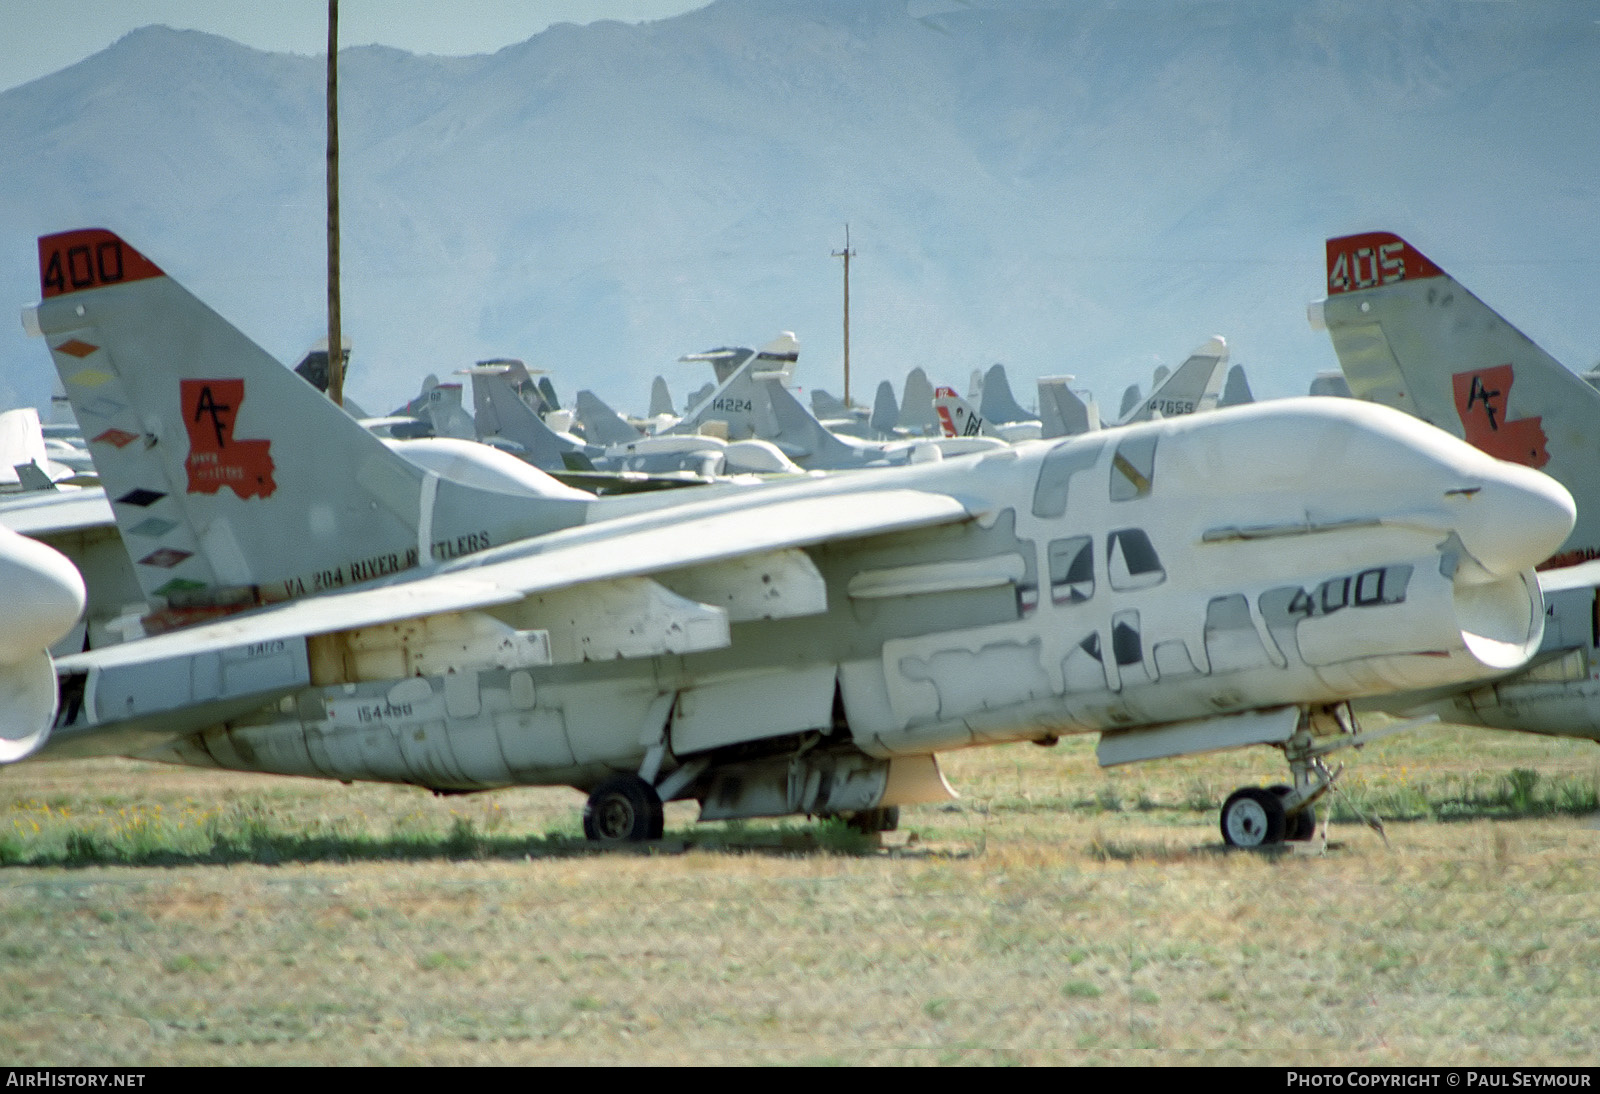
846	254
335	335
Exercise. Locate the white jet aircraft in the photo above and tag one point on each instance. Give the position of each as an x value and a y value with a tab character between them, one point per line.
1178	586
1408	335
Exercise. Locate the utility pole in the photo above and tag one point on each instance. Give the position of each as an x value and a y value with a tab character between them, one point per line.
845	254
335	335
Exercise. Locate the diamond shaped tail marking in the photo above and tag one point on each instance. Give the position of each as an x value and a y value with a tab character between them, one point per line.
166	558
117	438
141	497
76	348
153	527
179	585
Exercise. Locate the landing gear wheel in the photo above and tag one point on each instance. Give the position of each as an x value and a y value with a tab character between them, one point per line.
623	809
1301	826
870	821
1252	817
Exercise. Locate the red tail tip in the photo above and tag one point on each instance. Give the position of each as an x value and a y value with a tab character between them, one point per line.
1374	258
88	258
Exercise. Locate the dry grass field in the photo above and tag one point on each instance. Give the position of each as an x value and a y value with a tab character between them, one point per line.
1056	914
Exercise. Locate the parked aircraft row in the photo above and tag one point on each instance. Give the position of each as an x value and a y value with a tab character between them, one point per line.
1185	583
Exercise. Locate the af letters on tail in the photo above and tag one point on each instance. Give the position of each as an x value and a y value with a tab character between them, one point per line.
1180	585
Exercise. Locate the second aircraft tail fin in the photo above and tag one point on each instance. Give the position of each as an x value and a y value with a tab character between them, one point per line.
1409	335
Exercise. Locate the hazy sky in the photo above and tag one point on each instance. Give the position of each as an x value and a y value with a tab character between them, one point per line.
38	37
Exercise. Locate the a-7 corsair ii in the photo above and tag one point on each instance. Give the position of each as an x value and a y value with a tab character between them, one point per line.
808	647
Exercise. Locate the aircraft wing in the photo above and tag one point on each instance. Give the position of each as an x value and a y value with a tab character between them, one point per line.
659	540
298	618
646	543
43	513
1584	575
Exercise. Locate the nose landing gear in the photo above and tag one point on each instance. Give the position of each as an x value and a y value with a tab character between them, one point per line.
1260	817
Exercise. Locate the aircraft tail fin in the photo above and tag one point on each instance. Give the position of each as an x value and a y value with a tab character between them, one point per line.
417	407
780	356
445	413
1061	412
601	424
956	416
825	404
1131	397
916	404
1410	336
233	481
1236	392
740	400
885	412
502	413
660	398
313	367
1192	387
800	434
999	406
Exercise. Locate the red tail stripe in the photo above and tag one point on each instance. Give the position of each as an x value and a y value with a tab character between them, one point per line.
88	258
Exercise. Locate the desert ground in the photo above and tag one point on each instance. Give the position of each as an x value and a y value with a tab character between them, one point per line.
1054	914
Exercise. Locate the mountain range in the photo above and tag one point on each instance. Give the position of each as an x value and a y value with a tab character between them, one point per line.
1084	186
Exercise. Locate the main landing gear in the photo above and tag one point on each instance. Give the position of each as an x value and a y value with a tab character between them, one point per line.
1260	817
623	809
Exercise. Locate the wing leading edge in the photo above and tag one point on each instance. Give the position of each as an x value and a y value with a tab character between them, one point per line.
627	547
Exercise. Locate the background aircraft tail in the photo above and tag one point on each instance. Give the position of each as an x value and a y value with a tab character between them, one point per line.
232	480
1410	336
601	424
916	405
445	413
660	399
547	393
1192	387
501	412
956	416
740	399
999	406
1131	396
885	411
1236	392
1061	412
802	437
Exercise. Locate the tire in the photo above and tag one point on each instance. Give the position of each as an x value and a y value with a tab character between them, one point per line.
1298	827
870	821
1253	817
623	809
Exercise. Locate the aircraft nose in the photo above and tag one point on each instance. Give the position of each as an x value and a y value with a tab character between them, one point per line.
1512	518
44	596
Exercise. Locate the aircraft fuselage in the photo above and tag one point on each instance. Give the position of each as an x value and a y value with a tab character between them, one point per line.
1178	571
